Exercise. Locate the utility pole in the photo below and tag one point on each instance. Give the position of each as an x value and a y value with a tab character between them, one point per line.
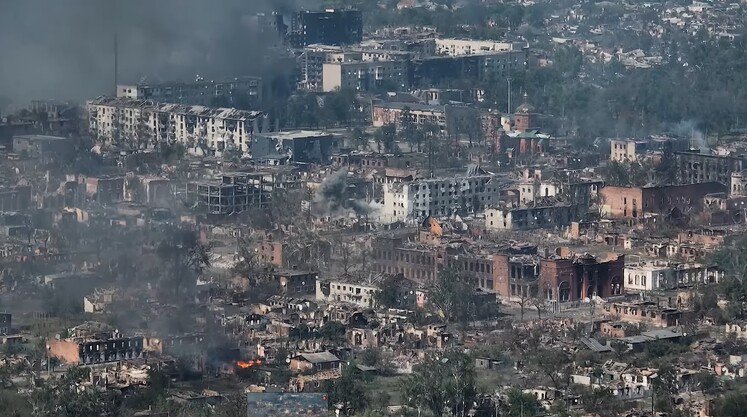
116	62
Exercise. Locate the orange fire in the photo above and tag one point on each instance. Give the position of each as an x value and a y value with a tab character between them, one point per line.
248	364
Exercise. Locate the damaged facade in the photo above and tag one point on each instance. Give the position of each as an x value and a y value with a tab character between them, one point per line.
141	123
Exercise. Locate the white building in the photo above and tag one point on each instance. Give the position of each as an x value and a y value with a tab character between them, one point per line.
342	290
464	195
653	276
142	123
456	47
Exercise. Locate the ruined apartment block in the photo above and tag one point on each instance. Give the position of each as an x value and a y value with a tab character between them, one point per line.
141	123
464	195
232	193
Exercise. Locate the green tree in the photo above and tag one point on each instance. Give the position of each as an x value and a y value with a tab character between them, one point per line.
441	382
452	295
183	259
347	392
733	405
601	401
555	365
385	137
522	404
333	331
389	292
731	257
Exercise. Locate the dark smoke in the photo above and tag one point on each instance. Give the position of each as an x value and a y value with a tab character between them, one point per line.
64	48
334	198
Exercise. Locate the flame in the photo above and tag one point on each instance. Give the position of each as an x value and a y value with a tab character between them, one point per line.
248	364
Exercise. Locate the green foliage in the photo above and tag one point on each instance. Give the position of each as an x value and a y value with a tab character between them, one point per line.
385	137
389	294
628	174
14	404
370	356
333	331
601	401
555	365
452	295
77	374
522	404
348	391
733	405
446	381
731	257
183	259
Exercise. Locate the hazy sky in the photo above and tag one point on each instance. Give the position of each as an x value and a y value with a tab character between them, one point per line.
63	49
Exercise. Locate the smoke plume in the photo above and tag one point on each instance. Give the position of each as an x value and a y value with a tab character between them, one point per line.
688	130
65	49
334	197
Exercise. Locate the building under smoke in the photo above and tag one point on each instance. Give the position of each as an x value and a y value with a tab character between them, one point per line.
237	92
329	27
232	193
142	123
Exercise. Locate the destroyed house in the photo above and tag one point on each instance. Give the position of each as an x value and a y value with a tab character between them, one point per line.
649	313
320	361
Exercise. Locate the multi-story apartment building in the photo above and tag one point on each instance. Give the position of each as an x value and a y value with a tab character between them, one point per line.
457	47
330	27
432	70
141	123
364	75
466	194
200	92
451	119
328	67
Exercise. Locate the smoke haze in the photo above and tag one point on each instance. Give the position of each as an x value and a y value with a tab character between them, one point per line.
333	197
63	49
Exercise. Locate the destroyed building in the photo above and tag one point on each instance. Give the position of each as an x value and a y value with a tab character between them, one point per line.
199	92
231	193
101	348
466	194
142	123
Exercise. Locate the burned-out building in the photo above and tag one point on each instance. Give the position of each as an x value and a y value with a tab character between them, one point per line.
649	313
296	146
463	195
696	167
329	27
232	193
543	213
641	202
6	324
575	278
89	351
240	90
451	119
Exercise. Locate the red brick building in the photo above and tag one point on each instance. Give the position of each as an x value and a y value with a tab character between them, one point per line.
575	278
